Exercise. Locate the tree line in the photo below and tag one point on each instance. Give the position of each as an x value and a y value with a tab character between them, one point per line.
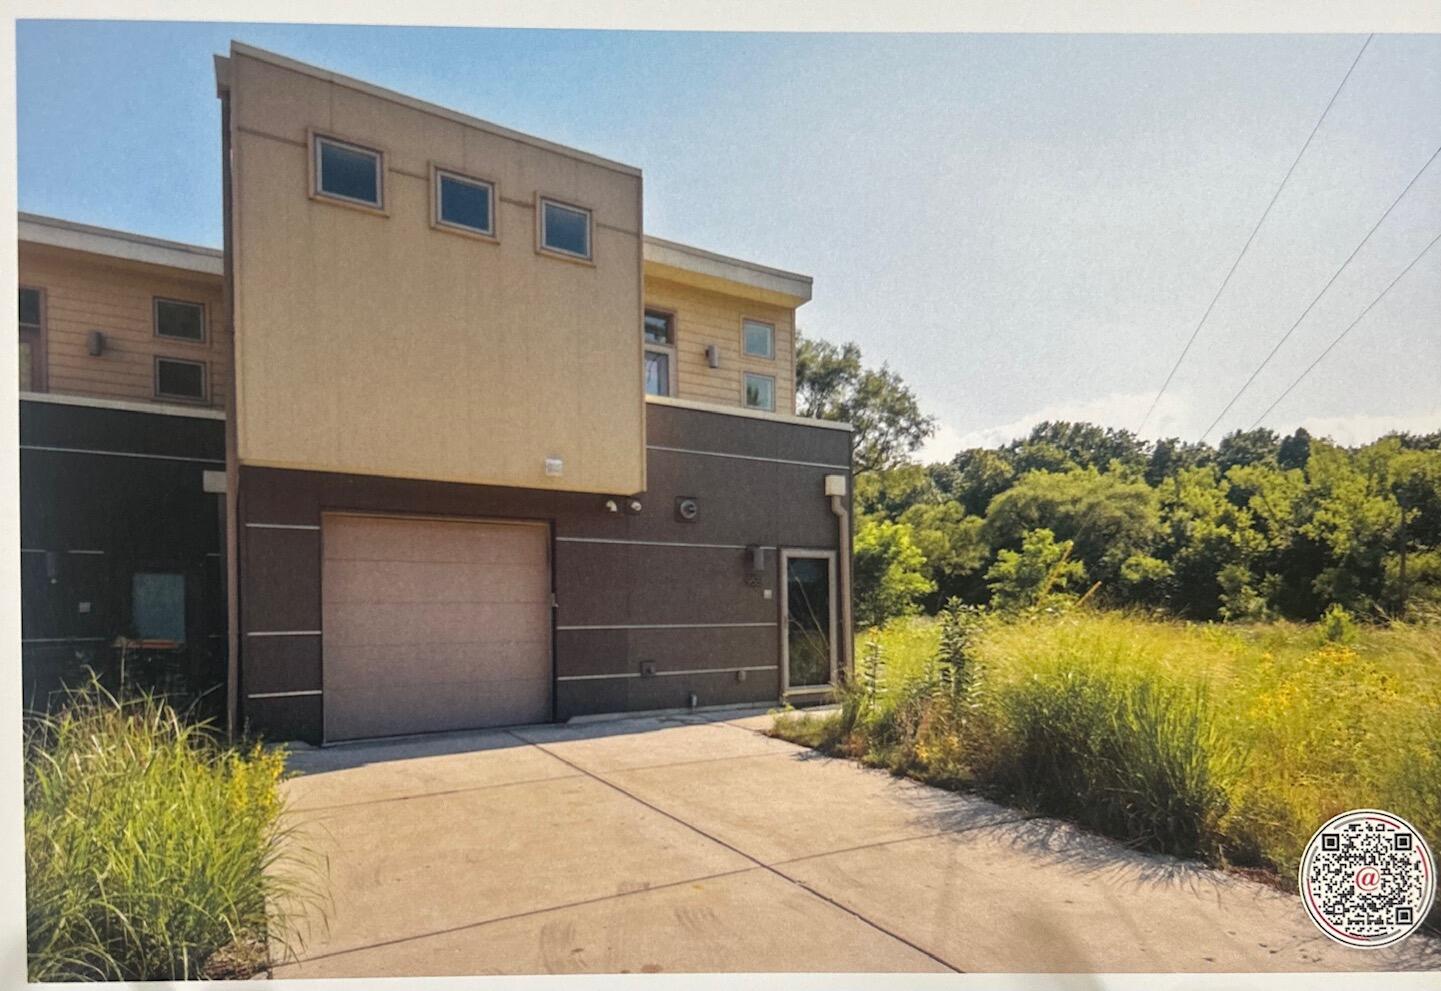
1257	526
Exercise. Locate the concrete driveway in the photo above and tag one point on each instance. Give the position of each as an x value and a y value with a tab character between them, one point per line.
697	844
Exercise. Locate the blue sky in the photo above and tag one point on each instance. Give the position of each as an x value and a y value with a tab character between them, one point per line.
1024	226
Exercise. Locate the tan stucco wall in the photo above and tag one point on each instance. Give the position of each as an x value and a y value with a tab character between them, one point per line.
703	317
82	292
377	344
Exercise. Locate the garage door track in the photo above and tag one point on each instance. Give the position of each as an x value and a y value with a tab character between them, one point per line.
696	843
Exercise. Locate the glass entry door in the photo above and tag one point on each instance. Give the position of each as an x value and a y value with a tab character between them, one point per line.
809	645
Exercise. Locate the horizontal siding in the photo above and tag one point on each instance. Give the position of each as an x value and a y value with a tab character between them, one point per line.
703	318
84	293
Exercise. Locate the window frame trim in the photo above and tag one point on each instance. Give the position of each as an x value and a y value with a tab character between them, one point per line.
204	337
314	139
39	354
439	171
745	377
764	323
202	400
541	199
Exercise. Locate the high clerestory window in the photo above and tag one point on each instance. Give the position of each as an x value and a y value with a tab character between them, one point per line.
564	229
464	203
348	172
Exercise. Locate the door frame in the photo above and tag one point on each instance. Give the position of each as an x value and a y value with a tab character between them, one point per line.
783	593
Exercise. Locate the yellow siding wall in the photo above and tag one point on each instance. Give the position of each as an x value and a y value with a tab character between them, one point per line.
84	292
377	344
704	317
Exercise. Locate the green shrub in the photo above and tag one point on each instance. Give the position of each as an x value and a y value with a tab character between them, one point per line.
1338	625
149	845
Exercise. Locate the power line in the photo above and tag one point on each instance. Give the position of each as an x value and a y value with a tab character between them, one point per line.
1254	231
1360	316
1317	298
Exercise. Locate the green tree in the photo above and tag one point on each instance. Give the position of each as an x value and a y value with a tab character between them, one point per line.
954	548
1247	447
1039	574
891	491
1060	445
832	384
979	476
888	572
1108	518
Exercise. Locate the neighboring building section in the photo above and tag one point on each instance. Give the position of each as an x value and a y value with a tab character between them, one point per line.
720	330
426	295
121	537
119	316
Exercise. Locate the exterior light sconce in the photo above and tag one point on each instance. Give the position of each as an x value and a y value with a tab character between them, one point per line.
52	567
554	466
95	343
712	356
611	507
756	556
632	506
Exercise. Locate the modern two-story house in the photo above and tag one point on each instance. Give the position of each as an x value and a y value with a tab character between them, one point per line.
440	440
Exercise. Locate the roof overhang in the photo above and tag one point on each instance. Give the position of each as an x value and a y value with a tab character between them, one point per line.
103	241
720	273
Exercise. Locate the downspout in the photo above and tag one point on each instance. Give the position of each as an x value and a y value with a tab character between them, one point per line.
836	488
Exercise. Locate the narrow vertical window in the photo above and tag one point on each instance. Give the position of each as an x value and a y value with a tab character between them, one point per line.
32	340
659	353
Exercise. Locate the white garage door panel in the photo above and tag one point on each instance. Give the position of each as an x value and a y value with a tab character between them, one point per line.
434	625
433	581
398	624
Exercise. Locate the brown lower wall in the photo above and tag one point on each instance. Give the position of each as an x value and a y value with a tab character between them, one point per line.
757	482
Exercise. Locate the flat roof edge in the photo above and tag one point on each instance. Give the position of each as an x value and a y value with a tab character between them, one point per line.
57	233
753	414
730	269
425	106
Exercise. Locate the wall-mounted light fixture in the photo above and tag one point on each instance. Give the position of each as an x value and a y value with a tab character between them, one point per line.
755	564
712	355
95	343
554	466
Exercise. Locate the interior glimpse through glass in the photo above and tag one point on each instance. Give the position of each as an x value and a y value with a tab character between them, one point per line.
808	621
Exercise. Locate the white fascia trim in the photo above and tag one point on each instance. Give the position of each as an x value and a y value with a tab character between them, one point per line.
57	233
752	414
702	262
160	409
261	55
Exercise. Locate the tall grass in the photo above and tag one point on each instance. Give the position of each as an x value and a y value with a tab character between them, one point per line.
148	846
1231	743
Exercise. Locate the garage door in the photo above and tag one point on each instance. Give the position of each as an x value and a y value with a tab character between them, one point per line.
434	625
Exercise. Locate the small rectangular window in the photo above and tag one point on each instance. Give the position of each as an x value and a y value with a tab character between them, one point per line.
177	379
180	320
760	391
760	339
659	327
464	203
347	172
157	606
564	229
